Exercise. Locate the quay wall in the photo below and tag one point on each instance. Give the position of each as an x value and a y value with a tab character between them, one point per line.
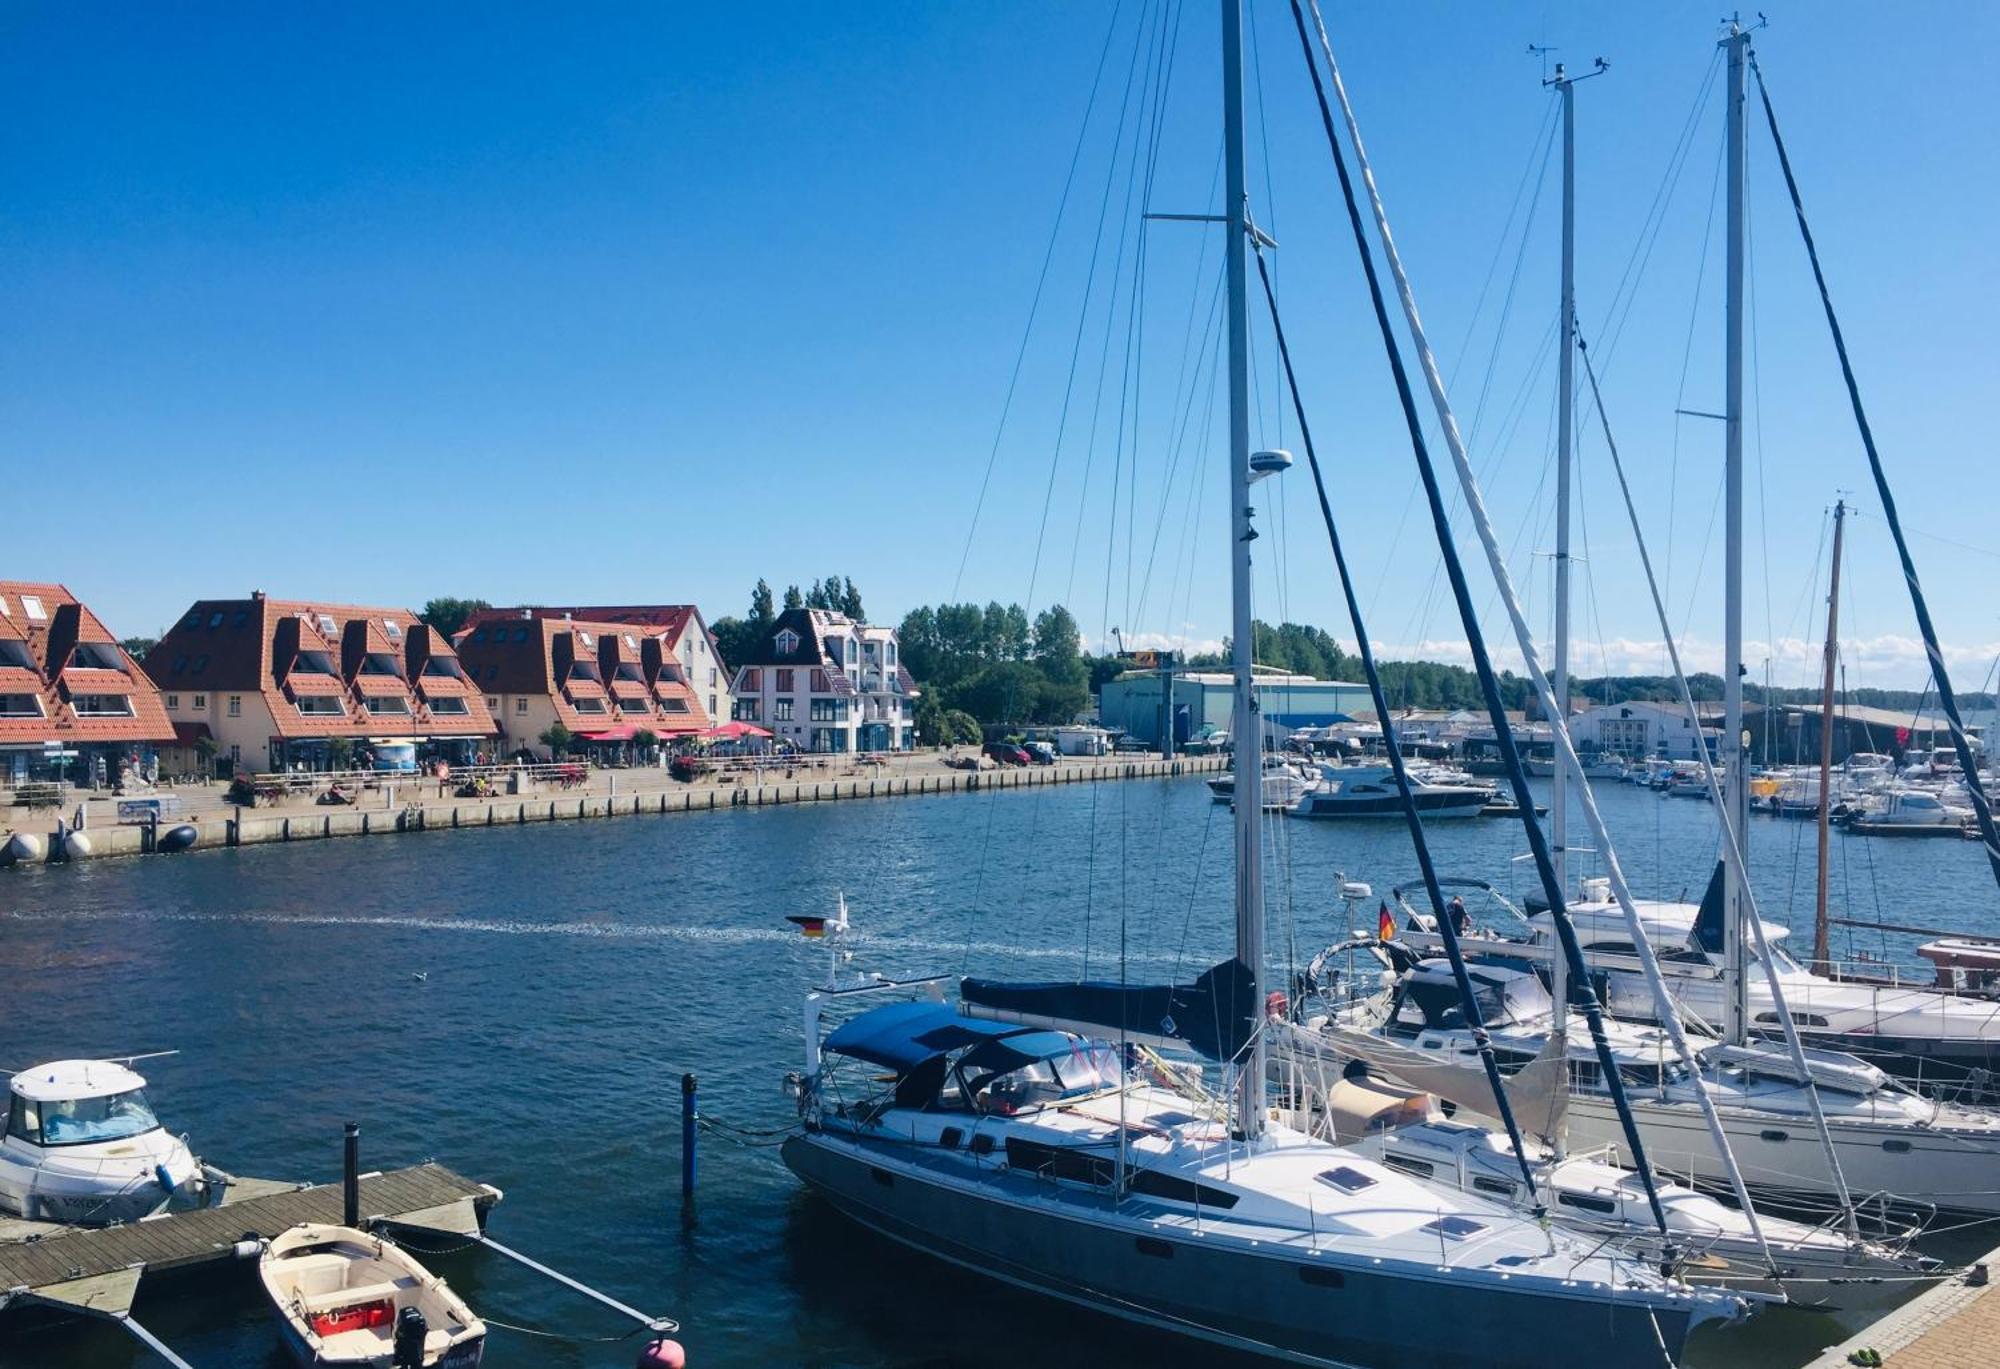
231	826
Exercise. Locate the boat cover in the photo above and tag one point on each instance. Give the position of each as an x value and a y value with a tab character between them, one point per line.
1214	1015
1707	933
902	1036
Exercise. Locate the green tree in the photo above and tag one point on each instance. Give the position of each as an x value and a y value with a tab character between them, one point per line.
137	647
794	599
960	728
761	612
850	601
557	738
645	740
447	615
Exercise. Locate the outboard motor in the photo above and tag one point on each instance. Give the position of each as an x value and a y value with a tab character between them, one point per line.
411	1329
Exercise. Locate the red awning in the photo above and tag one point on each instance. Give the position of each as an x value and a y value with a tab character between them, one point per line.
624	732
734	731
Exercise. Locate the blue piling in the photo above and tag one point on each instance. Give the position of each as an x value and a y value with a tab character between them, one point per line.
690	1114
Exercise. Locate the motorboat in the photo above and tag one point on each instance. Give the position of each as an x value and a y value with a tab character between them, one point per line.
1369	791
1902	806
83	1146
1815	1266
350	1297
1285	782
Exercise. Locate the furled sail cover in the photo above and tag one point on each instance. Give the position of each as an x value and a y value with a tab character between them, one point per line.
1214	1016
1707	934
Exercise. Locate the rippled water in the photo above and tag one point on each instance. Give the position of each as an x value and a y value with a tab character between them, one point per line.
575	970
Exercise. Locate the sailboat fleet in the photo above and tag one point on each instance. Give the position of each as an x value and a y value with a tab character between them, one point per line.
1482	1139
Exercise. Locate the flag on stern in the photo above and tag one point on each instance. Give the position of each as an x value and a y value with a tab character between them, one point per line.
810	926
1385	925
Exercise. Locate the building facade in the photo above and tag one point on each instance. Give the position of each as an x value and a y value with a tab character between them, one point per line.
825	683
74	705
604	683
685	633
1206	701
294	685
1641	729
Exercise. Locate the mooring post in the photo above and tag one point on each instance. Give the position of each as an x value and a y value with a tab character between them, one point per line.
350	1177
689	1113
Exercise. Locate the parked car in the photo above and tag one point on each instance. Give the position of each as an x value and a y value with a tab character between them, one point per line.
1007	753
1041	753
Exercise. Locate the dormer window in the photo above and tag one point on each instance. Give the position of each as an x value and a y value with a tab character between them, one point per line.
629	671
443	667
97	656
787	641
380	663
102	705
321	706
21	706
14	654
584	670
312	663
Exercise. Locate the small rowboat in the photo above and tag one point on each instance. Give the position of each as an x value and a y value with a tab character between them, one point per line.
345	1297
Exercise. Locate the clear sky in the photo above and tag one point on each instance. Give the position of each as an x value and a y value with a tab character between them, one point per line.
379	302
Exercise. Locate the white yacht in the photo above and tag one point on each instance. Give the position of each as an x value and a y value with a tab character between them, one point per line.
1369	791
83	1146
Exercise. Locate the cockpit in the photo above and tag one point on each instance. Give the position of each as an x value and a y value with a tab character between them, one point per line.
945	1062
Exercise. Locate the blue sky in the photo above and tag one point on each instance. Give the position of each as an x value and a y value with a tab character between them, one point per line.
373	303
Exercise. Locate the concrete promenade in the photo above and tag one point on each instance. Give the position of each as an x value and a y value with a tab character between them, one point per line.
1955	1325
416	804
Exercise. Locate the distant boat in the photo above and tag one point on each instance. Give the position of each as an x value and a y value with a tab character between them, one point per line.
346	1297
1369	791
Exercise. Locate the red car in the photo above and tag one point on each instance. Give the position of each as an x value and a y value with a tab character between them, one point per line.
1006	753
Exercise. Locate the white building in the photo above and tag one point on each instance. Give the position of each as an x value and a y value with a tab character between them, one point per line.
1639	729
826	683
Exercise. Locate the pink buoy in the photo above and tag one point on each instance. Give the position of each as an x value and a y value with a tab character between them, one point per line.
663	1354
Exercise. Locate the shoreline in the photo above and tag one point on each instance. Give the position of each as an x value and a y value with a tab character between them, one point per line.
227	826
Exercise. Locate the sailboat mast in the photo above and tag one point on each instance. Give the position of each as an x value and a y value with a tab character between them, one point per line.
1565	445
1821	956
1735	781
1246	727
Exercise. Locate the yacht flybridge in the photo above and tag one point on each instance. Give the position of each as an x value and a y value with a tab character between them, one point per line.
83	1146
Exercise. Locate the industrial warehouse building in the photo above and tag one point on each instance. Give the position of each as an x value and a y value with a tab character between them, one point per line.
1132	702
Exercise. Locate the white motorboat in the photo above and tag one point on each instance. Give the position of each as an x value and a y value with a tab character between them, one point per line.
348	1297
84	1147
1285	782
1369	791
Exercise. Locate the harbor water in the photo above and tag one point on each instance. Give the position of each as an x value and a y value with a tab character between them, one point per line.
520	1003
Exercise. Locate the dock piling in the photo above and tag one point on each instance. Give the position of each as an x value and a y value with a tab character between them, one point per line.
690	1112
350	1177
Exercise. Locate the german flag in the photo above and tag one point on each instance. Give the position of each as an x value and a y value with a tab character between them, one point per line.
1385	925
811	926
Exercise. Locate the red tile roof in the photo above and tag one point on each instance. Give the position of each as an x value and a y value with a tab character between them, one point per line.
669	619
533	655
257	645
48	623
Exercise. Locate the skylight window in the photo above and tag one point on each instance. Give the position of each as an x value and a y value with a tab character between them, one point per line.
393	628
326	625
32	606
1346	1178
214	621
1453	1227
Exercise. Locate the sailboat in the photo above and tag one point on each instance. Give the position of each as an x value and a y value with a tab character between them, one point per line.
1029	1152
1812	1124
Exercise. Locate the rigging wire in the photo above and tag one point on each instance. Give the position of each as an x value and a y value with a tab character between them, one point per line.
1034	306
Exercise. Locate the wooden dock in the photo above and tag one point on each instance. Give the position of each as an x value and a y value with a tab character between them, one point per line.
98	1270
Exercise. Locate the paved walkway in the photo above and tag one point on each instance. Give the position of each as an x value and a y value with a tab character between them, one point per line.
1953	1326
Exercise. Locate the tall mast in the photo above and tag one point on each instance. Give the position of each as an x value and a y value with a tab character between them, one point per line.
1565	445
1246	727
1820	951
1735	782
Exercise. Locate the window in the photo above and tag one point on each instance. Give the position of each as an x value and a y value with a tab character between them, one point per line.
672	674
786	679
674	705
450	706
313	663
327	627
16	655
753	679
200	702
711	677
787	641
388	703
1453	1227
492	704
749	710
235	705
1498	1187
79	1121
819	682
636	707
381	663
214	621
1346	1178
200	664
20	706
173	701
1422	1169
32	606
321	706
97	656
589	705
393	628
521	704
443	668
829	710
102	705
520	634
628	671
584	670
782	711
1585	1202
